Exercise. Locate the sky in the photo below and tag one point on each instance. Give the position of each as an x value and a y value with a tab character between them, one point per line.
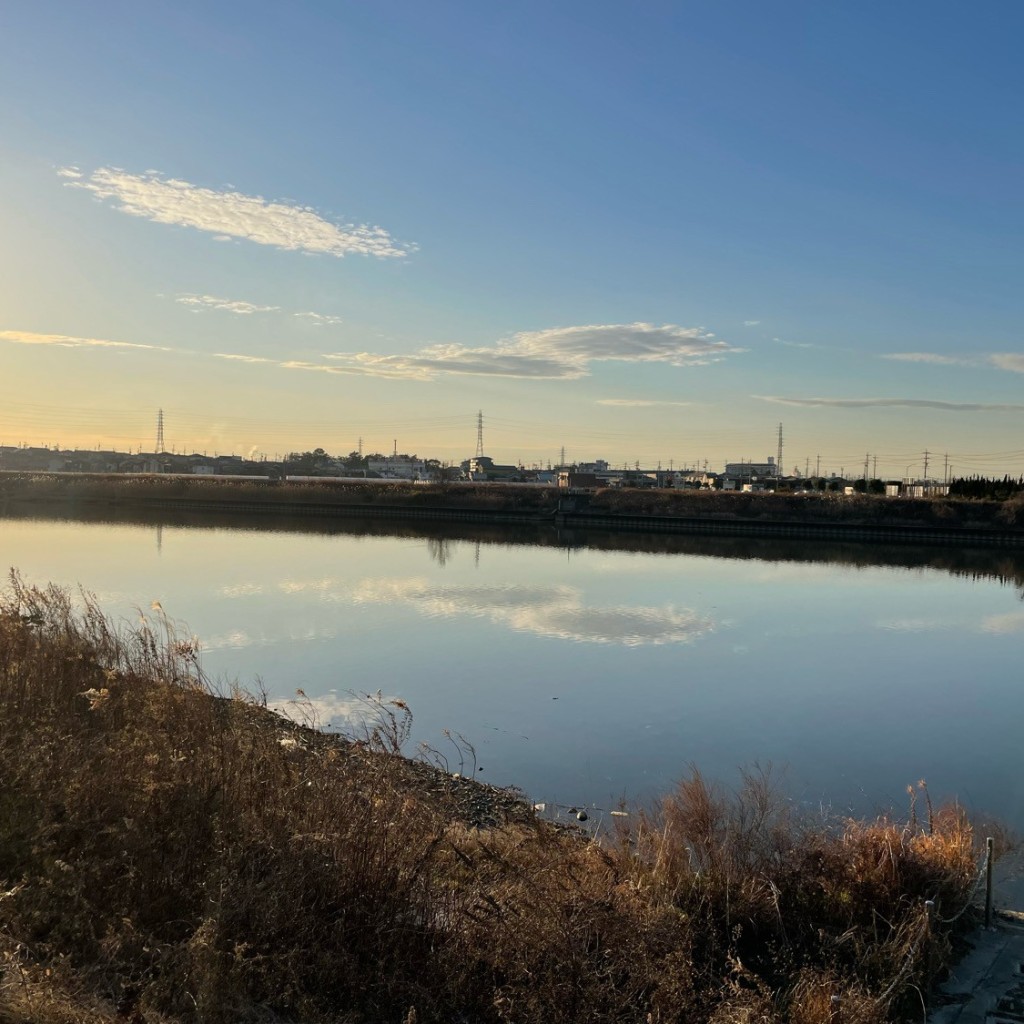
642	232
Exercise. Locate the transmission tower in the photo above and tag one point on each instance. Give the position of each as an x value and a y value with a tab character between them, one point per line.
159	432
778	461
480	434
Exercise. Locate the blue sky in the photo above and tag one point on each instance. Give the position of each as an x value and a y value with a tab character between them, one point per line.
644	232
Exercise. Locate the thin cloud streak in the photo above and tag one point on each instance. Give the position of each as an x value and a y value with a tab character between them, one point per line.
1011	361
71	341
228	214
934	358
637	403
893	403
243	359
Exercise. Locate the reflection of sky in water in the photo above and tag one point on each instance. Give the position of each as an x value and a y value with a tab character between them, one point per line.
586	675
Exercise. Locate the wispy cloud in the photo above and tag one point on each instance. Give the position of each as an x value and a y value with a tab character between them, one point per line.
199	303
795	344
243	358
1012	361
751	323
239	306
319	319
894	403
564	353
229	214
71	341
935	358
560	353
636	403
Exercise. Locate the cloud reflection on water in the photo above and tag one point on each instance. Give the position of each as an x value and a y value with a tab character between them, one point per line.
1011	622
554	611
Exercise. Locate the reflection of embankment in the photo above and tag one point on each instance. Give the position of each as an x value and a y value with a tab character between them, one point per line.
442	538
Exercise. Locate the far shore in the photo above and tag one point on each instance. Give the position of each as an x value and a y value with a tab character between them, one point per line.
827	516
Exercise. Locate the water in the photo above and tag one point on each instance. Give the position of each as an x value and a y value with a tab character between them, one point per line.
586	669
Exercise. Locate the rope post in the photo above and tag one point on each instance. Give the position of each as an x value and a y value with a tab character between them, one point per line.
989	843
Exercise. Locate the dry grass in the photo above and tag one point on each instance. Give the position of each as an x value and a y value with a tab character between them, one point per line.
169	854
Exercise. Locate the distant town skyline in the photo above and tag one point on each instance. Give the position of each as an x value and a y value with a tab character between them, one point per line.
930	465
641	234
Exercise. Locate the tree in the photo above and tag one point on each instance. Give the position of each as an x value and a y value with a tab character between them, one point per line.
314	463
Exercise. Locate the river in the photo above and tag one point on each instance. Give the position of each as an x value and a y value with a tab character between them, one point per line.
592	669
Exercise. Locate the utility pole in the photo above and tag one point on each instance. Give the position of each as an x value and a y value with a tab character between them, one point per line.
874	471
867	458
817	466
807	466
945	469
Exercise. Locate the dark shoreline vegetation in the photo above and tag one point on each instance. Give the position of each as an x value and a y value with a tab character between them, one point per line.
169	853
863	516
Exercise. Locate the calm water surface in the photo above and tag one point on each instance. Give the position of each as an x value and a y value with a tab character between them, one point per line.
586	674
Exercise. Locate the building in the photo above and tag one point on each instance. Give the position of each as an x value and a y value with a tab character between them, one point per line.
746	472
399	467
571	478
482	468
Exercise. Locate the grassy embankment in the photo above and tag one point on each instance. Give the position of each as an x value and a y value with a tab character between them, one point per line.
869	510
170	855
